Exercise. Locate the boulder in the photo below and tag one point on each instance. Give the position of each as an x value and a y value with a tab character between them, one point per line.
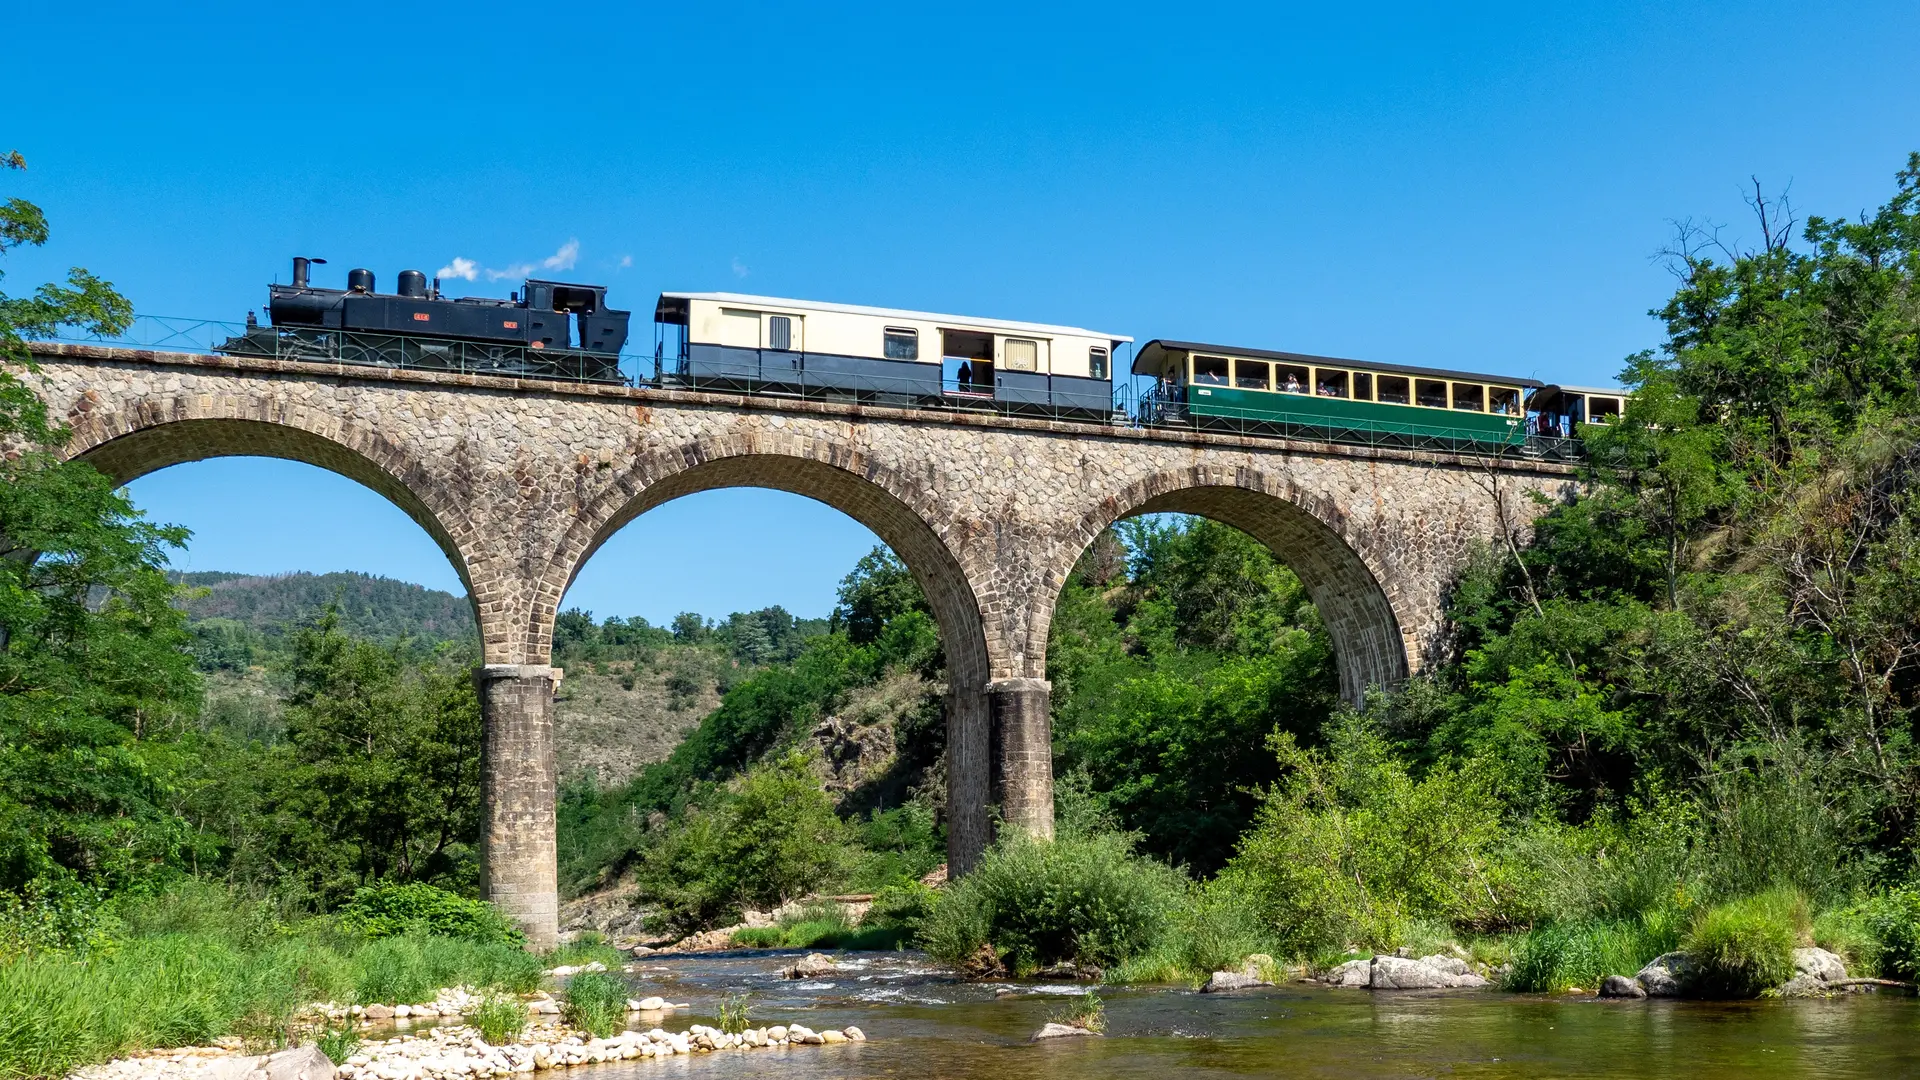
1466	980
811	966
378	1012
1665	975
304	1063
1451	965
1060	1031
1221	981
1619	986
1401	973
1356	974
1820	964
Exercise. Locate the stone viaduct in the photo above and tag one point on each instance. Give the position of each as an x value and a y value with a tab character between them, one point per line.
521	481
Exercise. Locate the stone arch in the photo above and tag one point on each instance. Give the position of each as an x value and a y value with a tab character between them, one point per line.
898	508
127	448
1360	603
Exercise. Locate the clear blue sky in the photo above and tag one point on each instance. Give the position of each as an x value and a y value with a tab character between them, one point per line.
1469	186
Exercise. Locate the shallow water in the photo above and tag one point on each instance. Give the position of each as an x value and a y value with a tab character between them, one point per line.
924	1024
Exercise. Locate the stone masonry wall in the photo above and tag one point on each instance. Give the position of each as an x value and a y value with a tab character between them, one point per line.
519	482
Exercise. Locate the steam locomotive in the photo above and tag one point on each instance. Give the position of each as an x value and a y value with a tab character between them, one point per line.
549	329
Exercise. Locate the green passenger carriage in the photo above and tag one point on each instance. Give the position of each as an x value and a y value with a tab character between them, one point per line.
1296	394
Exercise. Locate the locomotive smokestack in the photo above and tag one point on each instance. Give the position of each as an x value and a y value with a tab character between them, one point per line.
300	267
413	283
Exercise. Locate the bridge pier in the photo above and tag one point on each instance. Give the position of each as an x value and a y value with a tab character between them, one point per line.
519	871
1022	755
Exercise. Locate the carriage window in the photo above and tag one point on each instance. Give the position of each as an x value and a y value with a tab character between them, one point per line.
902	344
1469	397
779	333
1293	380
1394	390
1504	400
1431	393
1362	386
1210	370
1021	354
1097	363
1251	374
1603	410
1330	383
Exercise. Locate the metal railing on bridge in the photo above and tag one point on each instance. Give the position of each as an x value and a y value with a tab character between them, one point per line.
1130	407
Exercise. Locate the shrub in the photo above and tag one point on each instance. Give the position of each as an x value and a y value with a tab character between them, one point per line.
388	909
1561	955
1086	899
1745	946
904	906
1893	920
595	1002
769	838
1349	849
499	1020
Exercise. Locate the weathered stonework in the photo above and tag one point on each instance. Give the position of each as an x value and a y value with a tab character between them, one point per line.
519	482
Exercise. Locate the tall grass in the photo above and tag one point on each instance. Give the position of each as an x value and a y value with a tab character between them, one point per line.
1560	956
195	963
596	1002
1746	946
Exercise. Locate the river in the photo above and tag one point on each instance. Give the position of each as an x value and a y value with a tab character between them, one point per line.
924	1024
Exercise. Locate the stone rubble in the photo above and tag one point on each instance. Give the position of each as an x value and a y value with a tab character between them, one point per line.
455	1052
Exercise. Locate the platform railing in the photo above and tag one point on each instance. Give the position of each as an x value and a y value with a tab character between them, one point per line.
1150	409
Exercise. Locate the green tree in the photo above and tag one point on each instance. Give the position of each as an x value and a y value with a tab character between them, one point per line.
93	665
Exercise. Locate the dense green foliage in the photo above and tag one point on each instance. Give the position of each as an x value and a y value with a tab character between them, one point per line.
596	1002
390	909
1745	946
1177	647
1086	899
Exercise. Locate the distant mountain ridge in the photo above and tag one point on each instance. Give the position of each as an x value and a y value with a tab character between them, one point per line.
370	606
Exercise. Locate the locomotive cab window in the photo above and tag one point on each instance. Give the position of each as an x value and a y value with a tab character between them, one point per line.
1394	390
1362	386
1469	397
1290	379
1504	400
1020	355
1329	383
780	333
1430	393
902	344
1251	374
1210	371
1603	410
1096	363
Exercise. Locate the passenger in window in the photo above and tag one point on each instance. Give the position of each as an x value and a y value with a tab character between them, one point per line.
965	377
1293	384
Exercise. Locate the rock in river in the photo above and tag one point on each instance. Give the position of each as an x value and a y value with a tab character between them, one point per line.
811	966
1619	986
1060	1031
1664	974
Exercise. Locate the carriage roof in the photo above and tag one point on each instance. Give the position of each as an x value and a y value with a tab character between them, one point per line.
676	313
1153	355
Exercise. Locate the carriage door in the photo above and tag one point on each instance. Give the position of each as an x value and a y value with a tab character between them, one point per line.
784	360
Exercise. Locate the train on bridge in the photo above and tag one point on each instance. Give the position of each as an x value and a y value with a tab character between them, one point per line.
737	343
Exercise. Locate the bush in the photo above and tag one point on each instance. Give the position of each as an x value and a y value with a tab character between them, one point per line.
1562	955
1349	850
595	1002
388	909
1743	947
771	837
1893	921
1085	899
902	906
338	1043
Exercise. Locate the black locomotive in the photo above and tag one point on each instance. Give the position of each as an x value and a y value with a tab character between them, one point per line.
550	329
